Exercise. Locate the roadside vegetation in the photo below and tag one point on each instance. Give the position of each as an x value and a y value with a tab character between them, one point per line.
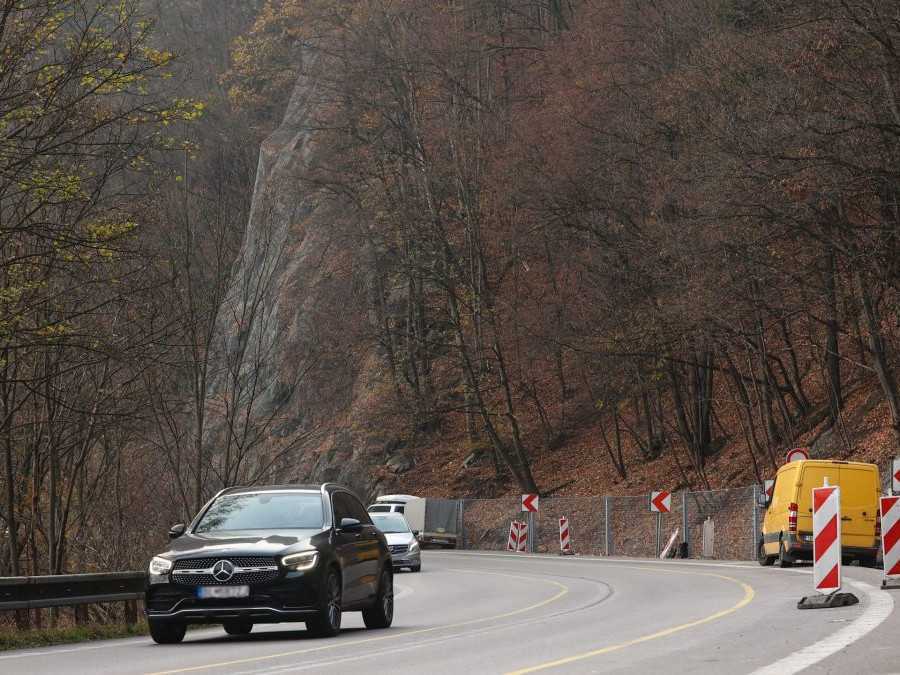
566	241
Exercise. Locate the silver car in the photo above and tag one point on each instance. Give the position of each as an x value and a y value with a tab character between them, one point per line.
402	541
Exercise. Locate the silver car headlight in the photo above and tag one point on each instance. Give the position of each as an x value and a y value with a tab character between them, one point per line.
301	562
413	545
160	566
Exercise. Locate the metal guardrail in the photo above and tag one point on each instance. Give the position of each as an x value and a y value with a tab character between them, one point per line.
68	590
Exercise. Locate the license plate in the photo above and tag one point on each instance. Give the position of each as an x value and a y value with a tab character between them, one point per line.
204	592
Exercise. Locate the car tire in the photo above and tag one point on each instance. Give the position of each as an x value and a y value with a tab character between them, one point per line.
167	632
416	568
761	557
381	613
238	627
784	560
327	622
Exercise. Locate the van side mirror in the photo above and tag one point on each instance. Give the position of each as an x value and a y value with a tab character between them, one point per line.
177	530
416	534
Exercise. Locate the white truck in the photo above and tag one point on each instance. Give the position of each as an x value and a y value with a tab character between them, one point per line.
434	520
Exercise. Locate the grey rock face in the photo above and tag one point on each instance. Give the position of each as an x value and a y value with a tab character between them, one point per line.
284	392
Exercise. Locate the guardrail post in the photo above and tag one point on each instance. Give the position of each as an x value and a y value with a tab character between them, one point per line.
606	525
685	534
81	614
130	612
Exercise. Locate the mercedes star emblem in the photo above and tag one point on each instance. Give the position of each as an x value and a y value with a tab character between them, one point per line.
223	570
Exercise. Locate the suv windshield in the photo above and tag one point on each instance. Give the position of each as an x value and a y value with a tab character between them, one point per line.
390	523
264	511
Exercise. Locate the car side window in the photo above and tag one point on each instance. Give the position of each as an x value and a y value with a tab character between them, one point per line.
357	510
340	507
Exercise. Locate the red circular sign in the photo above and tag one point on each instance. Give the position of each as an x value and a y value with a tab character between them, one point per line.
797	454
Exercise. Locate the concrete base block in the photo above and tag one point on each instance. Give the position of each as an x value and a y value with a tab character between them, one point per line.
819	601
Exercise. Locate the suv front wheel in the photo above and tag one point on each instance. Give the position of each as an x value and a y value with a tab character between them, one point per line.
167	632
327	622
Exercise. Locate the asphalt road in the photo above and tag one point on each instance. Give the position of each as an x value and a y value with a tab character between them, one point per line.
497	613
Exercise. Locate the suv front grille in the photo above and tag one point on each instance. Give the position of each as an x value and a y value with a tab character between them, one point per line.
237	561
251	570
398	548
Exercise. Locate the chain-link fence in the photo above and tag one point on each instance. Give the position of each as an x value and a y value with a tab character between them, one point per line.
622	526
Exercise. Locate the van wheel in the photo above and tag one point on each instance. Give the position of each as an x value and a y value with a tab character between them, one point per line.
784	560
761	557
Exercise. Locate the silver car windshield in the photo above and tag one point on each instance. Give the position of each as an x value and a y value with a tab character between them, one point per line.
390	523
264	511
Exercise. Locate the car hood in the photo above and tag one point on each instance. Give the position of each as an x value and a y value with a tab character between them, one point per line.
396	538
248	542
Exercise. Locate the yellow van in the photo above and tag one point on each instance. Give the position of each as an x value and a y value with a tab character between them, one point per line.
787	527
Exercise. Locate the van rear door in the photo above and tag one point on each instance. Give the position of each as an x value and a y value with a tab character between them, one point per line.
859	505
813	476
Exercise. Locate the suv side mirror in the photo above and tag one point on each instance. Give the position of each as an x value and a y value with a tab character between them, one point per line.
350	525
416	534
177	530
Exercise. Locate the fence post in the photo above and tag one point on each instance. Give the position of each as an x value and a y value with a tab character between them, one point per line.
461	524
606	525
532	532
130	612
755	496
685	535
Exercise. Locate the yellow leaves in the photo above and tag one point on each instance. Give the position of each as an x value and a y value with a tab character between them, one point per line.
158	58
108	231
52	185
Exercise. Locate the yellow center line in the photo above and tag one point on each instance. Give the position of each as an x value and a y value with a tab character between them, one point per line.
395	634
749	593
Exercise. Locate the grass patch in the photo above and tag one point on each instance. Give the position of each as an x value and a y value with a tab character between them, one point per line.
23	639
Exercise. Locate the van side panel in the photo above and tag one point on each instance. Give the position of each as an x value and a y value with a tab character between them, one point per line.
776	518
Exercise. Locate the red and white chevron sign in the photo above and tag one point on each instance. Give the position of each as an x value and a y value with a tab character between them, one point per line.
565	540
890	536
827	539
661	502
895	476
530	503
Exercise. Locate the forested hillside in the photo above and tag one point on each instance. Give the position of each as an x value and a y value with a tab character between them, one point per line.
465	248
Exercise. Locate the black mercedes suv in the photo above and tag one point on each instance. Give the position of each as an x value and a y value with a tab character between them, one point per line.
272	554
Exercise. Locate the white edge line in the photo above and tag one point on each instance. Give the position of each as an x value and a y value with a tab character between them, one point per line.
879	607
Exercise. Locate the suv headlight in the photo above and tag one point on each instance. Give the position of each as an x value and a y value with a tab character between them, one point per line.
160	566
414	545
301	561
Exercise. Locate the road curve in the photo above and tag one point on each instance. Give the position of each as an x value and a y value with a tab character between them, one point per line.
498	613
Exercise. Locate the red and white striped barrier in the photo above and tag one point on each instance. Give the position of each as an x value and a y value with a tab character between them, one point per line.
518	537
565	540
827	539
512	544
523	538
890	537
